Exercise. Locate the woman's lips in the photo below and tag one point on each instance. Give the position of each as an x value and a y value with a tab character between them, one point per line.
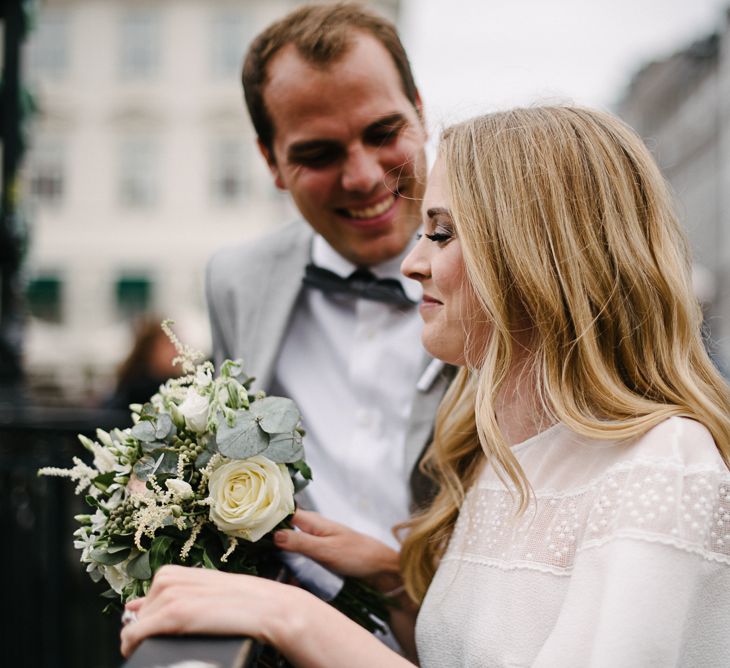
428	299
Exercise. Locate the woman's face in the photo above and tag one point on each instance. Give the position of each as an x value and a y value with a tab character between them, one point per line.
437	263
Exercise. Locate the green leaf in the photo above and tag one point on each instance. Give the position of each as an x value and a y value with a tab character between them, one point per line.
232	368
139	567
108	558
303	468
276	415
144	431
244	439
285	448
90	500
159	552
109	593
208	562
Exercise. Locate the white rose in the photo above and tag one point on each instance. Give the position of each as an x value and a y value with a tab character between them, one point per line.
179	488
195	411
249	497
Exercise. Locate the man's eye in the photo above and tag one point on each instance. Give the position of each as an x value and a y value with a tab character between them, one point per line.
383	135
322	159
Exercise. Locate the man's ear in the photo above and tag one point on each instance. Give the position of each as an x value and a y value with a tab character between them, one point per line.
271	162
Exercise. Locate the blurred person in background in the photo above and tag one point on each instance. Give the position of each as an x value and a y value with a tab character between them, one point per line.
148	365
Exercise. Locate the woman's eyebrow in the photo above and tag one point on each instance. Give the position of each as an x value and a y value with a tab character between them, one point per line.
437	211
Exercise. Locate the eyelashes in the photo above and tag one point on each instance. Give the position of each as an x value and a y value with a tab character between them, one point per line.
437	237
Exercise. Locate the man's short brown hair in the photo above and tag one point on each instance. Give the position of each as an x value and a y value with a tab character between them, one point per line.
321	33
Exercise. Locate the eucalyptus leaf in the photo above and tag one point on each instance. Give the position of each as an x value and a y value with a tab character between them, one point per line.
144	467
139	567
107	558
276	415
144	431
151	446
166	462
201	461
244	439
285	448
163	426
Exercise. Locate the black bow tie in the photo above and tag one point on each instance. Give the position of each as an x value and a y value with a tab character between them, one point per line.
360	283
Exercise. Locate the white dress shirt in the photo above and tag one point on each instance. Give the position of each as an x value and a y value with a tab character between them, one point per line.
352	365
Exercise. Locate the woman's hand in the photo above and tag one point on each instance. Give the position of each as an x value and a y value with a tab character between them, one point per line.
196	600
341	549
310	633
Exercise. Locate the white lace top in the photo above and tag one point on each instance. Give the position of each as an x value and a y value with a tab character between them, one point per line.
623	559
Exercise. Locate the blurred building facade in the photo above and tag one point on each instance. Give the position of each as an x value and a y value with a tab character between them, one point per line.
681	107
142	162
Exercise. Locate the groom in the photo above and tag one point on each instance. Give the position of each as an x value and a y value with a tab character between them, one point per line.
318	310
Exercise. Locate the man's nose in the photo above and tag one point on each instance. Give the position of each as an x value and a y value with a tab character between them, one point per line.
362	170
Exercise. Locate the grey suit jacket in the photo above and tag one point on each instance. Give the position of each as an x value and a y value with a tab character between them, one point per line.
252	290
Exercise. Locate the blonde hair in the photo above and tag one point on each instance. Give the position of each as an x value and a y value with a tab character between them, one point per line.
564	219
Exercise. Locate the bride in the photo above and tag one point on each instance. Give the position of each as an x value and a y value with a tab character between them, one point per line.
581	454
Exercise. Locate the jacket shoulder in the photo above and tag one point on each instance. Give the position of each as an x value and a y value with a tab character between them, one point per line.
235	263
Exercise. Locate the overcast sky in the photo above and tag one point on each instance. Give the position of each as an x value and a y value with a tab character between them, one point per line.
472	56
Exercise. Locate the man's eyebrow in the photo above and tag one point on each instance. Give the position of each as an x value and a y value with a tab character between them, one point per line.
437	211
390	119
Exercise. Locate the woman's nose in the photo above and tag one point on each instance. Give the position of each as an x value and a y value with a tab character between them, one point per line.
416	264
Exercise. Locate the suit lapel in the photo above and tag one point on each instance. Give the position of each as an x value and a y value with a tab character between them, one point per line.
281	283
425	405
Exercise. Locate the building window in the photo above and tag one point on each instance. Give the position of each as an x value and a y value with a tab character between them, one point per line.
138	173
139	45
46	167
44	297
230	35
133	295
48	46
229	171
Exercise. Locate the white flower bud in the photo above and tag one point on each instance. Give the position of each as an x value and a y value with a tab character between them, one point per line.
179	488
195	411
105	438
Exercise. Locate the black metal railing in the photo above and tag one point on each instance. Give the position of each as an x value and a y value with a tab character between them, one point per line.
50	610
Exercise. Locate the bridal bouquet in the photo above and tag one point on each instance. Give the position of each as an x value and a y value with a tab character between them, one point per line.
205	474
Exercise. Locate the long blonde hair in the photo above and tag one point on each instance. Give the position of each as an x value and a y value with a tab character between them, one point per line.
564	218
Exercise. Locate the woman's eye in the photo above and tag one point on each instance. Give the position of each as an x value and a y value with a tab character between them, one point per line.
438	237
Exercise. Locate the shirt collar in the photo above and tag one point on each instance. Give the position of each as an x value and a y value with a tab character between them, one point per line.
323	255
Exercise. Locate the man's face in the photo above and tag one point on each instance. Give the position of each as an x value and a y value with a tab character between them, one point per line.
348	146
